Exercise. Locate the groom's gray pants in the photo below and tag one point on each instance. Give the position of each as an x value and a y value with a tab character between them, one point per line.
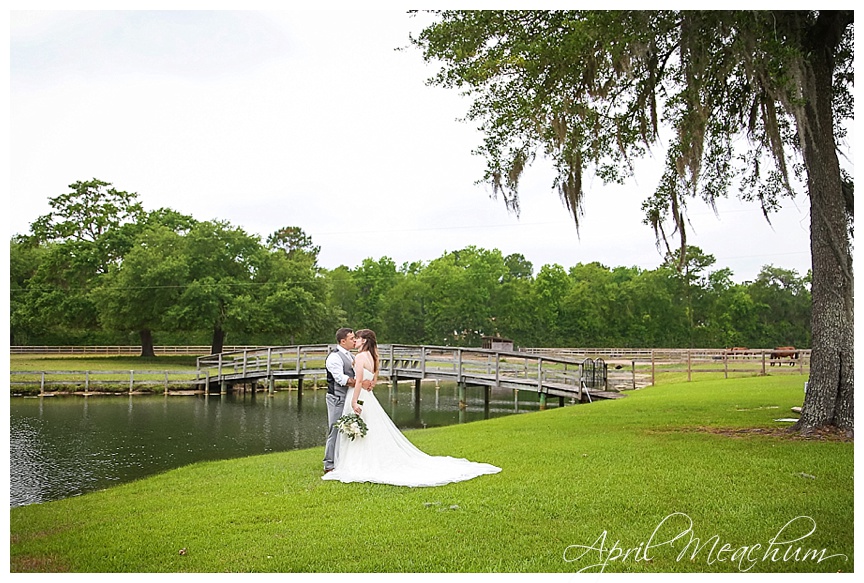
335	404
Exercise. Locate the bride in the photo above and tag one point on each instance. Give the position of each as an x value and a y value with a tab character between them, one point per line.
384	455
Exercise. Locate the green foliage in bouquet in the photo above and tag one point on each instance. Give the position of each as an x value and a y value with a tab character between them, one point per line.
352	426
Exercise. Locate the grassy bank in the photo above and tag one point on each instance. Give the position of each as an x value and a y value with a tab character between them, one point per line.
707	455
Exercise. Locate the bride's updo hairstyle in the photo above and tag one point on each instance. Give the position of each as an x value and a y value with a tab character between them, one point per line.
371	344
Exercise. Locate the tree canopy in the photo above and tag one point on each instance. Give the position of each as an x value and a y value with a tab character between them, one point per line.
748	99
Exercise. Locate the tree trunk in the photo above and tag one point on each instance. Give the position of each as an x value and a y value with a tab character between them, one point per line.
147	343
829	398
218	340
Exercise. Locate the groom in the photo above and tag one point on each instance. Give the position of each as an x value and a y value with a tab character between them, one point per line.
340	376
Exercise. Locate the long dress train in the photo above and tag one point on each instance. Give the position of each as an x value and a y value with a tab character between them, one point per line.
385	456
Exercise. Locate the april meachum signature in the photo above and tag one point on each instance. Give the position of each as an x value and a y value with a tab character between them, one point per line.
782	547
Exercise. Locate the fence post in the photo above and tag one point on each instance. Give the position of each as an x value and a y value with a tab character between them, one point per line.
763	363
653	381
633	369
725	364
689	367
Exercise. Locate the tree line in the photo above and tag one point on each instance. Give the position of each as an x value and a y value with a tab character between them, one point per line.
99	269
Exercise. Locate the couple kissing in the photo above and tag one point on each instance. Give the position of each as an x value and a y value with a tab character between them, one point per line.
384	455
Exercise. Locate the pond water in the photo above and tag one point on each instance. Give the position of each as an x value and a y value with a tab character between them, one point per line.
66	446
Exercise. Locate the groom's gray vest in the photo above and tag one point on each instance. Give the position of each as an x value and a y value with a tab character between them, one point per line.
347	368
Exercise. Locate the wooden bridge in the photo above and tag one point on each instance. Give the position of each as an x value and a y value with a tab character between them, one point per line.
548	376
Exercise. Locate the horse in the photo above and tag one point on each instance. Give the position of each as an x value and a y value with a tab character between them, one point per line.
784	352
736	351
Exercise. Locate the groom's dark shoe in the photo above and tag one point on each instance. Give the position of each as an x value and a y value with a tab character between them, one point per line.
327	471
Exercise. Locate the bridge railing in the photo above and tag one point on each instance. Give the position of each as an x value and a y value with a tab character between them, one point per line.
272	359
458	364
483	363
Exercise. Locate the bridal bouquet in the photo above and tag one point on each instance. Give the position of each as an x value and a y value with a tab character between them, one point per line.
352	426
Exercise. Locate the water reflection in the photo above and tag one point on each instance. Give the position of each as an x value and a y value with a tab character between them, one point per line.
68	445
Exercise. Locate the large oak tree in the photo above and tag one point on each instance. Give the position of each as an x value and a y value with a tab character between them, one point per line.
593	90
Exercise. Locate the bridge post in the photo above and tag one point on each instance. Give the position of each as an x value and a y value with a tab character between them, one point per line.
539	375
463	404
542	401
299	387
270	385
487	391
423	362
223	387
394	392
269	358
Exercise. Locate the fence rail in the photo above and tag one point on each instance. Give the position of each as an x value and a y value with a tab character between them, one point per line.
121	350
646	355
93	380
647	363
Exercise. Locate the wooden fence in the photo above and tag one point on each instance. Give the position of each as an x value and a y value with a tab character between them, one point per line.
651	362
89	381
628	368
121	350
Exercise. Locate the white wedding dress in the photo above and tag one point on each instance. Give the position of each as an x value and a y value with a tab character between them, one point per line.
385	456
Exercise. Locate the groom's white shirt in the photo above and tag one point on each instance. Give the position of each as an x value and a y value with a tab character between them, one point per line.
336	367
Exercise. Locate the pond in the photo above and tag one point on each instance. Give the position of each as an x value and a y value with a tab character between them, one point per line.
64	446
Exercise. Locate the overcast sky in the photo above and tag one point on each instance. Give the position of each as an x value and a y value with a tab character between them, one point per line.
313	119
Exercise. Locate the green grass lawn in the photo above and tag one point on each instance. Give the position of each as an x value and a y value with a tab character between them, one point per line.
580	486
31	362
